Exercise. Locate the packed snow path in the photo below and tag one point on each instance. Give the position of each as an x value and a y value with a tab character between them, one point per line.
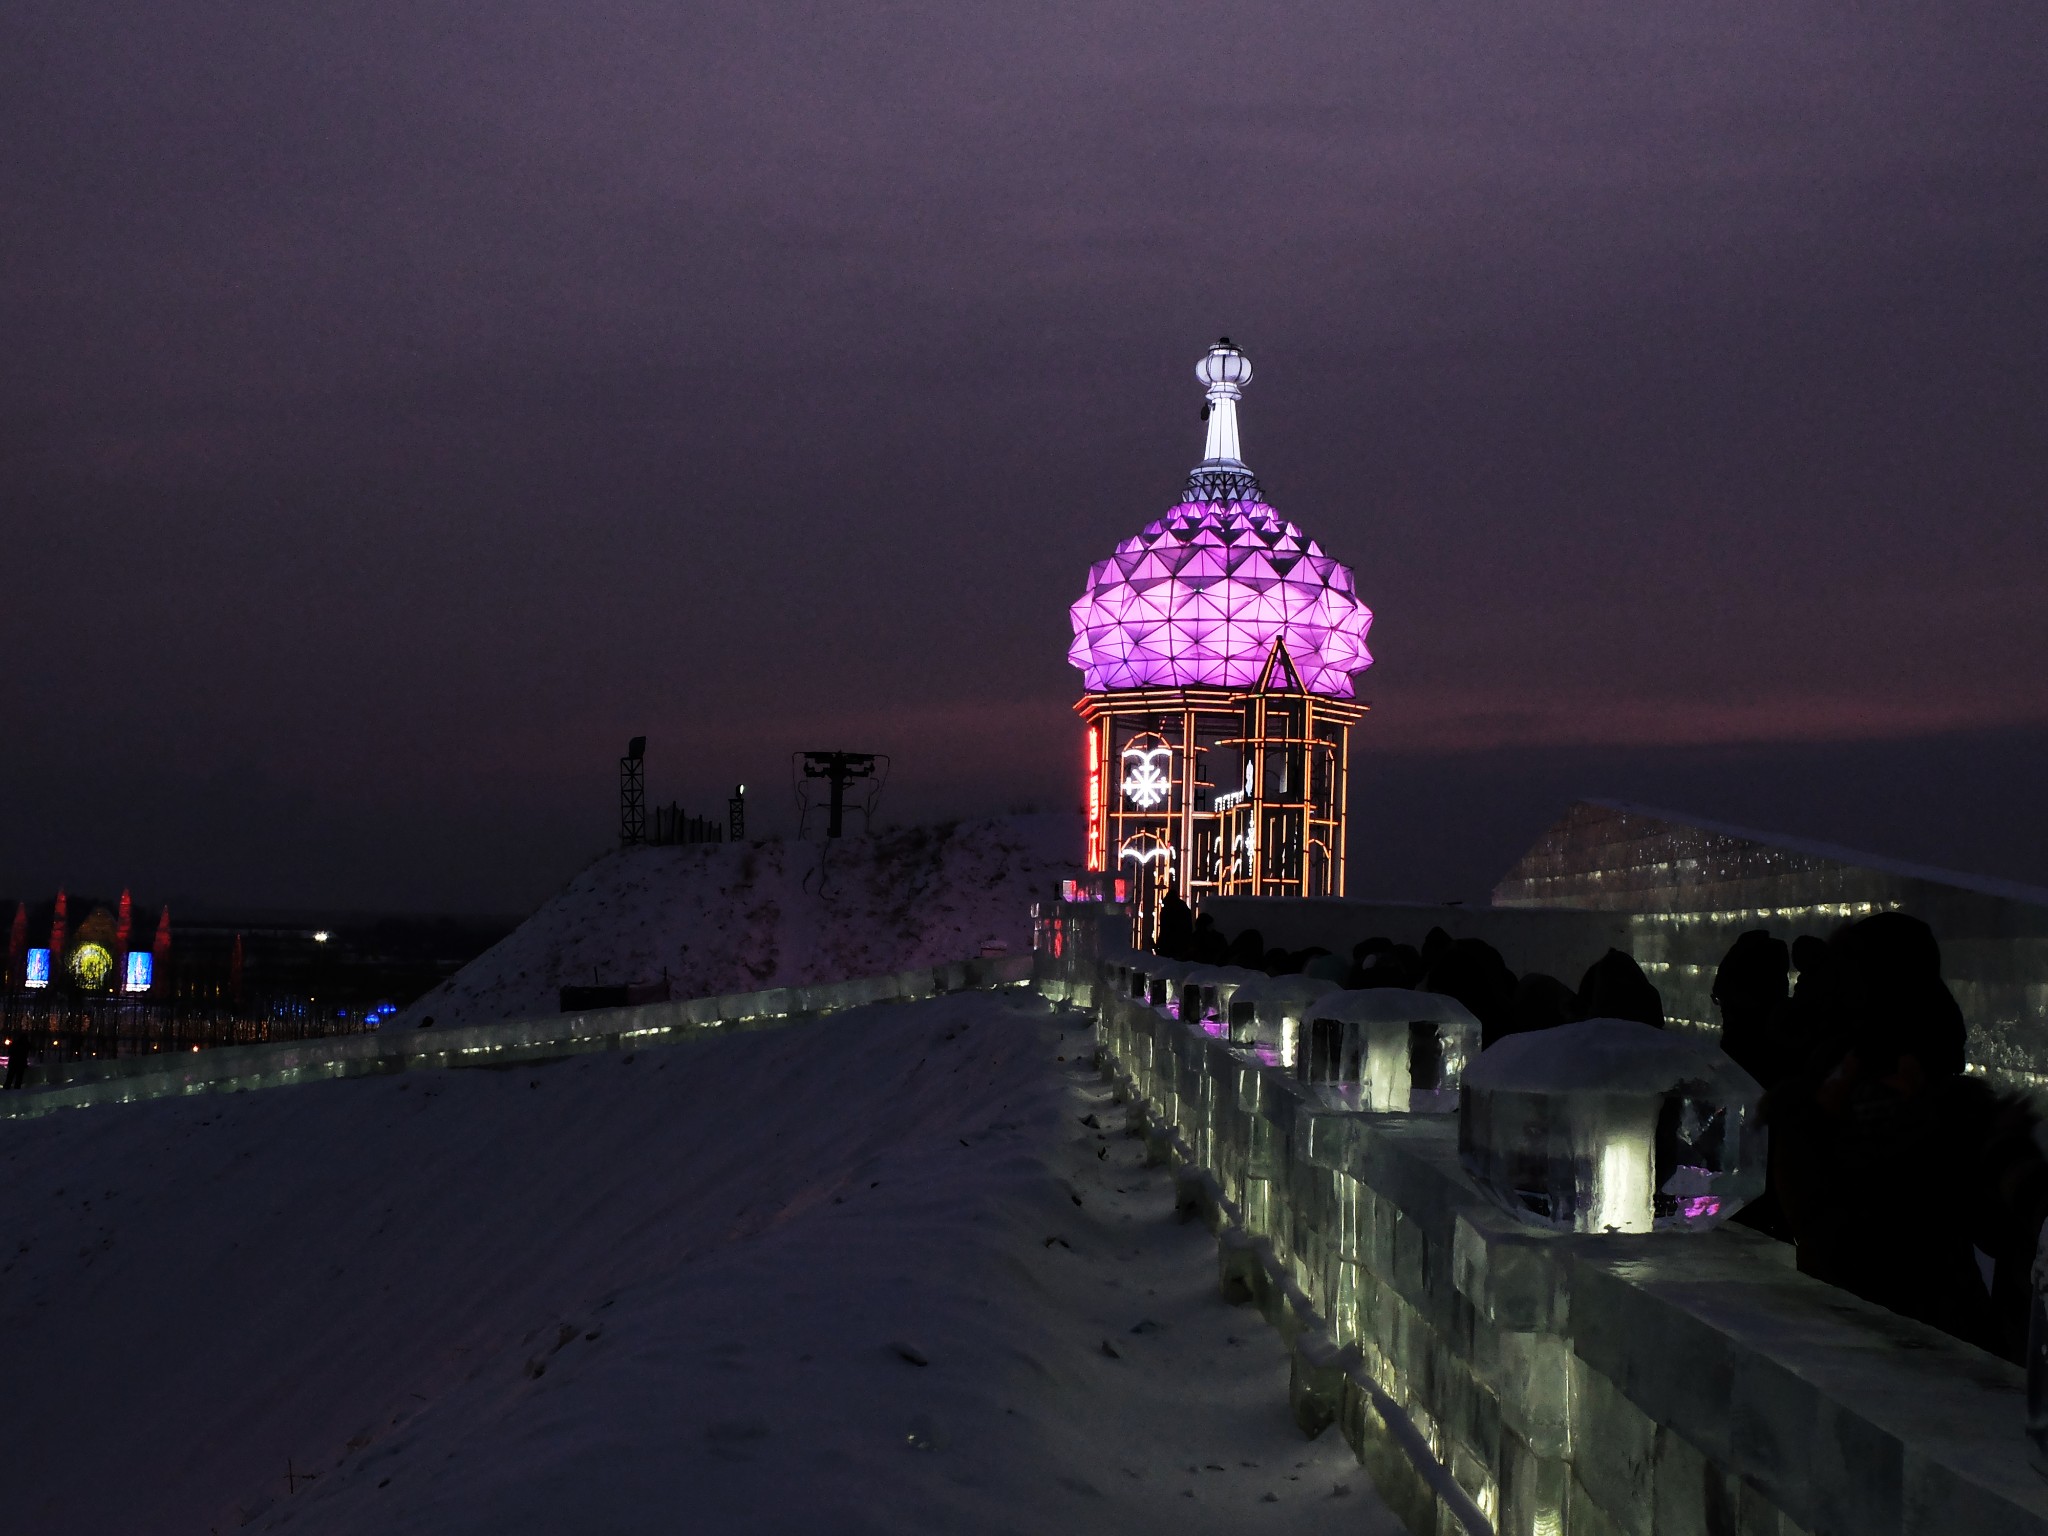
873	1273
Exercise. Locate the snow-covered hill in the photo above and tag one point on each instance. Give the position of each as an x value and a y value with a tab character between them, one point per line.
894	1271
733	917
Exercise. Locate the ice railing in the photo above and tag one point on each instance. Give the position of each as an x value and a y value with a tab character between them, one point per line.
1500	1371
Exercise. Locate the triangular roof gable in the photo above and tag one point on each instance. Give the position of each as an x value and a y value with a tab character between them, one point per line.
1280	676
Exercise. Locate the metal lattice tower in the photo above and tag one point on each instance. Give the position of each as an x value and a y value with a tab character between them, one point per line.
633	794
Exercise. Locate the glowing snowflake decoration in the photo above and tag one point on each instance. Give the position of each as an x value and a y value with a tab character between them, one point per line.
1146	779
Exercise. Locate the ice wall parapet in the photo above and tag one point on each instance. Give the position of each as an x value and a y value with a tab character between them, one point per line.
1498	1376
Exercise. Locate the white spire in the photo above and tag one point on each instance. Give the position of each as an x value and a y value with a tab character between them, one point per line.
1222	474
1226	371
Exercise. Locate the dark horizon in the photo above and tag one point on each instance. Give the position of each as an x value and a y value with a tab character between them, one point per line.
404	409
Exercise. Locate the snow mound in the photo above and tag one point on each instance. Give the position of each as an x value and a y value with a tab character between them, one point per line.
713	918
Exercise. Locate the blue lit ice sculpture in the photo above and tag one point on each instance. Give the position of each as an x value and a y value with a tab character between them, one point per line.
1612	1126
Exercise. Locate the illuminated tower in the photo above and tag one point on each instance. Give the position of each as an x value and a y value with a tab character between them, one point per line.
1218	648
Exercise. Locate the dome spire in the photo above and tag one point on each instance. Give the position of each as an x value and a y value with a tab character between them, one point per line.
1222	476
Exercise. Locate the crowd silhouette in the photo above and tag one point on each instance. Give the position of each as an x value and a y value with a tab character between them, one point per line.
1895	1173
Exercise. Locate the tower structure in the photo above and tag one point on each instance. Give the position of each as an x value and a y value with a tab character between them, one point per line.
1217	649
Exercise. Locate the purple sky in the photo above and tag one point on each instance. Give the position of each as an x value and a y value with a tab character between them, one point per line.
401	405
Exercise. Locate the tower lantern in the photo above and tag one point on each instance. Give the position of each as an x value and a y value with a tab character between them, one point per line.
1217	649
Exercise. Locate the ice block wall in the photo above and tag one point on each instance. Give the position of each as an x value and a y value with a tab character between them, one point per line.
1495	1377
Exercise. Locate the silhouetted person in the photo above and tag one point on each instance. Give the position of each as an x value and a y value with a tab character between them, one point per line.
1760	1035
17	1064
1751	991
1812	960
1363	954
1393	965
1248	949
1323	965
1541	1002
1892	1166
1211	948
1614	987
1813	1015
1176	938
1434	943
1280	962
1473	972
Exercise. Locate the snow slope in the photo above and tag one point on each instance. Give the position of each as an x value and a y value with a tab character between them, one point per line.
733	917
678	1291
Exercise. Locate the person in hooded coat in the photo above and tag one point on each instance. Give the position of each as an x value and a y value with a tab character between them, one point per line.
1894	1167
1473	972
1751	994
1176	939
1614	987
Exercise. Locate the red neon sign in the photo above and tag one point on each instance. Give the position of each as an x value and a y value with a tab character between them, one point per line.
1095	798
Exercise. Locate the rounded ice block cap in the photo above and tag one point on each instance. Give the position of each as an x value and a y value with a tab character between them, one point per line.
1267	1014
1194	993
1612	1126
1205	991
1388	1050
1162	978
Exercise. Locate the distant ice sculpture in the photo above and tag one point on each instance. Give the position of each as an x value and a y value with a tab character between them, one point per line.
1206	991
1612	1126
1197	994
1389	1050
1159	981
1266	1014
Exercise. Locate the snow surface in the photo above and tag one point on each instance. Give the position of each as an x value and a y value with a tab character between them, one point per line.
680	1290
1392	1005
735	917
1602	1055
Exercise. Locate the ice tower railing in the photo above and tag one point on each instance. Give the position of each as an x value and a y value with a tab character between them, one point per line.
1496	1375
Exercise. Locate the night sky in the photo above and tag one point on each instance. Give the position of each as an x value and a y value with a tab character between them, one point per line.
403	404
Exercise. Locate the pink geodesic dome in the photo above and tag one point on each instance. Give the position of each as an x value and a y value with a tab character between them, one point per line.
1199	597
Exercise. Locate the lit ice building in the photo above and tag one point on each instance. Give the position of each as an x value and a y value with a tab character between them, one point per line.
1680	889
1218	647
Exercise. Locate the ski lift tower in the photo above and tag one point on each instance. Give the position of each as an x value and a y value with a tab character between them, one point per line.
839	770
